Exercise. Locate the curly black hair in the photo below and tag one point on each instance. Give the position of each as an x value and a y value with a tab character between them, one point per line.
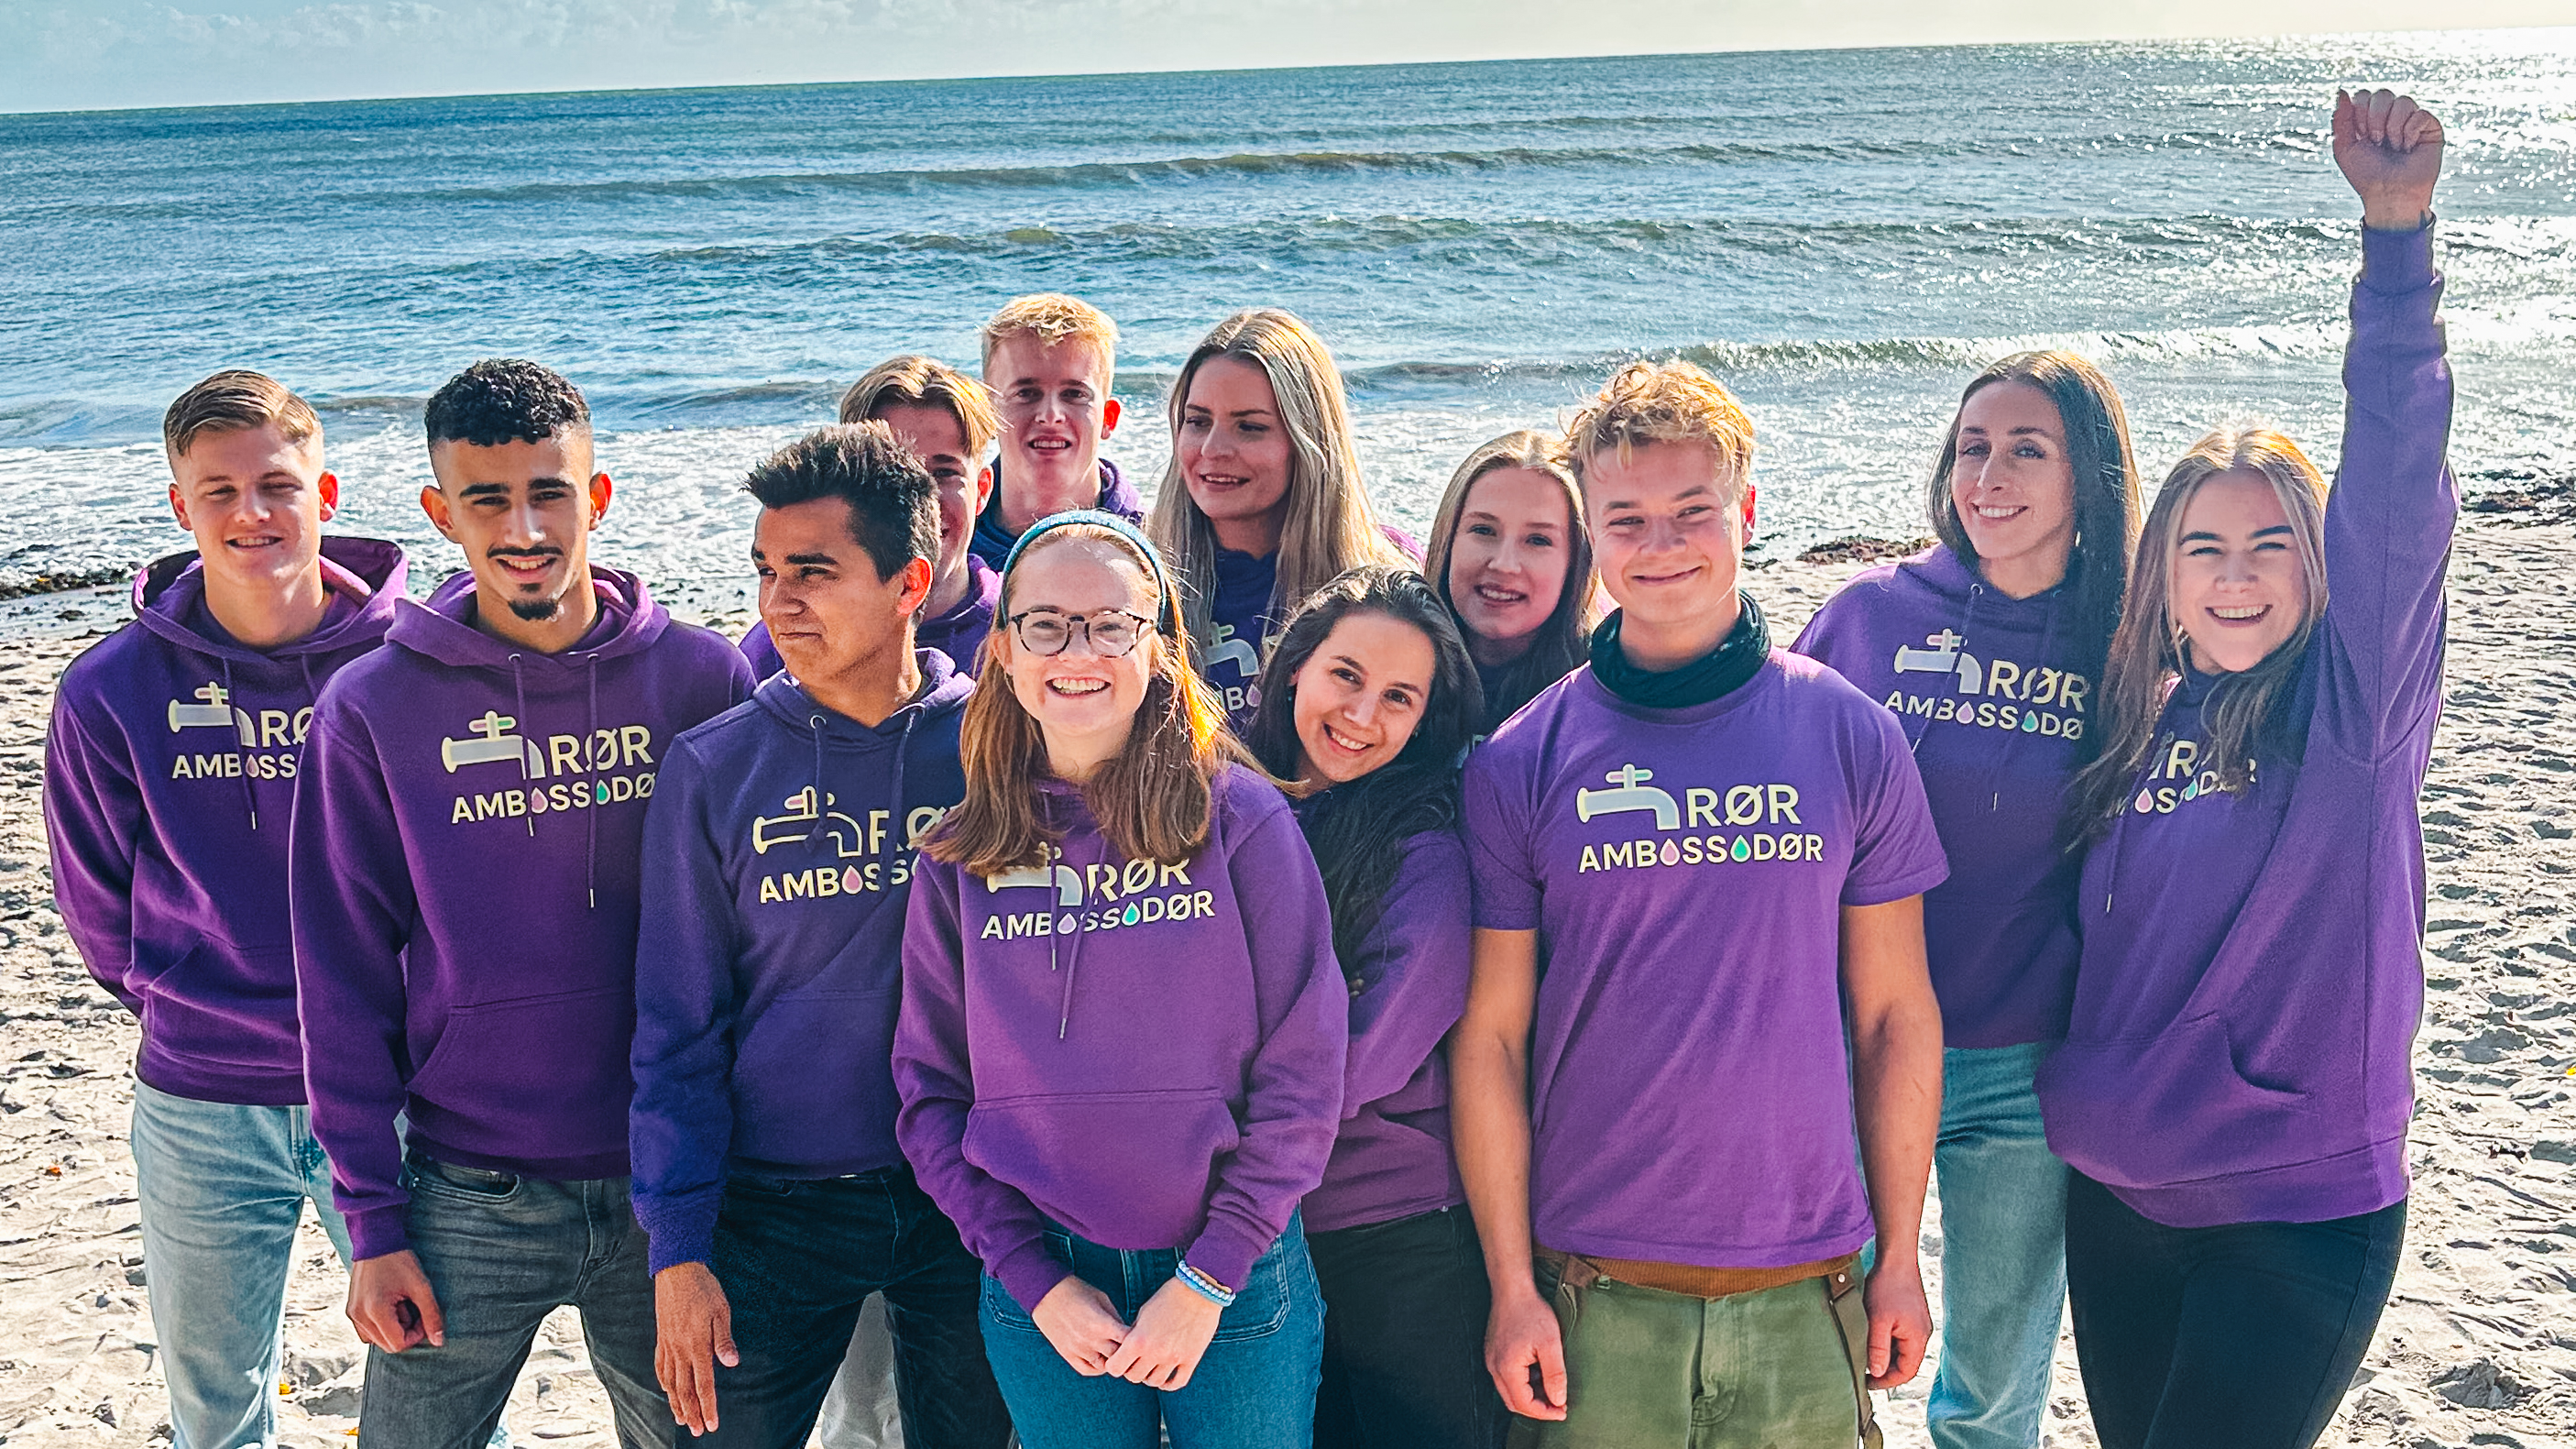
505	400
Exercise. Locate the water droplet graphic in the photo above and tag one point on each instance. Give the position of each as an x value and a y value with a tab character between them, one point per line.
2146	802
1672	854
1130	916
851	883
2030	722
1742	849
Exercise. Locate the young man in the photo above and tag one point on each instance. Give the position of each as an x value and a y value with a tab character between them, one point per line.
465	882
944	417
169	776
1717	849
779	857
1050	360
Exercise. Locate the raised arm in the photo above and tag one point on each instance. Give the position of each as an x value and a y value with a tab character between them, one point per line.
2390	518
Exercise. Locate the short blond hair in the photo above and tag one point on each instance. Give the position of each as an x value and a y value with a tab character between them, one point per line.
232	401
1053	318
1661	402
915	381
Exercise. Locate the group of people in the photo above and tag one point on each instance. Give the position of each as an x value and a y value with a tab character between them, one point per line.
1223	972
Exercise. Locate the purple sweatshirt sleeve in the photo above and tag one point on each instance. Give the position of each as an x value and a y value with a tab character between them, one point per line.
350	894
1415	969
93	825
681	1125
1294	1105
937	1083
2395	504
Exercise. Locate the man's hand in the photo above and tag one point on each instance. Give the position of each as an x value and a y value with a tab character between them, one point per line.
1900	1320
1170	1336
1077	1319
2390	149
390	1303
1522	1336
693	1332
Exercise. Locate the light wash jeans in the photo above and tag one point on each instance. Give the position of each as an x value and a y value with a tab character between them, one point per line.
2003	1251
222	1188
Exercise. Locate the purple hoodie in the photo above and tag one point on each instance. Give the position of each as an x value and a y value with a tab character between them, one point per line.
959	633
993	538
2250	987
1392	1158
169	784
464	883
1182	1093
1686	870
1995	695
1243	615
778	855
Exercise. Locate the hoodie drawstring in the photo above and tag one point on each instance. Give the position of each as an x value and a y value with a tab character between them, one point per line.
241	759
590	817
519	690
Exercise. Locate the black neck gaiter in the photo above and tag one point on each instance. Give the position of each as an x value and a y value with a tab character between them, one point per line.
1711	676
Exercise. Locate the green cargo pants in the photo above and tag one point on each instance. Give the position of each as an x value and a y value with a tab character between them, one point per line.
1645	1369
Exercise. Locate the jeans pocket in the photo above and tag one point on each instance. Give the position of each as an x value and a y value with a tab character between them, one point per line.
1269	1291
476	1185
1004	1311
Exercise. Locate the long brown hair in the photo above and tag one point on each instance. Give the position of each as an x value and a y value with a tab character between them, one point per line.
1152	798
2149	652
2106	485
1326	524
1564	640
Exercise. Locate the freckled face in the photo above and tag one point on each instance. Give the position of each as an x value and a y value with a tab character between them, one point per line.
2240	587
1360	696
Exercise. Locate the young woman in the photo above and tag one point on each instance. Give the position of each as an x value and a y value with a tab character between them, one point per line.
1122	1038
1262	500
1368	702
1989	648
1511	560
2234	1089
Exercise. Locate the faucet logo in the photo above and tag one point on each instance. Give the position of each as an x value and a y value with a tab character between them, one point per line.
217	712
1943	658
1231	650
804	816
1066	882
1632	793
495	744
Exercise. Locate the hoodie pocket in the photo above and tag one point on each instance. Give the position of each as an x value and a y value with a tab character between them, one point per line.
224	1006
2171	1108
542	1076
1119	1168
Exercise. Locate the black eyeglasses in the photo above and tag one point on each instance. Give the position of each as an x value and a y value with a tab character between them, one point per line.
1111	633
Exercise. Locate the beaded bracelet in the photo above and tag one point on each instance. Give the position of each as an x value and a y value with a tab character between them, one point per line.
1206	1287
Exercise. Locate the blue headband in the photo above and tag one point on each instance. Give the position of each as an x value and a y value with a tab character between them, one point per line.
1169	620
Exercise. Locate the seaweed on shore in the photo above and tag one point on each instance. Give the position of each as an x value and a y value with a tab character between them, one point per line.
1861	548
2531	495
64	581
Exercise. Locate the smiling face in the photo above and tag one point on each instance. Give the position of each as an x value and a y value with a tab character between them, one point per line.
1508	562
2240	586
523	513
1084	704
1055	407
1669	525
2014	487
829	614
933	434
1235	453
255	500
1360	695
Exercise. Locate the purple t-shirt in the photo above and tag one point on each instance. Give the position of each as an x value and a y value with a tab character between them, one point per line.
1685	869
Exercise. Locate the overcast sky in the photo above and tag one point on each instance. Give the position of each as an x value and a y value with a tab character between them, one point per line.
86	54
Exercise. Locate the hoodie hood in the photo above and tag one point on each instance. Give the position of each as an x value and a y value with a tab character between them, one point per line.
443	629
943	686
365	578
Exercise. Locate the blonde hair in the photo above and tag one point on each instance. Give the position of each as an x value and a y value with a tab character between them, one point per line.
2149	651
915	381
1053	319
1326	524
1662	402
231	401
1152	799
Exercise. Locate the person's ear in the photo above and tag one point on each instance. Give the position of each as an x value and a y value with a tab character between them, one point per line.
600	492
1108	416
329	486
433	502
915	576
1749	493
983	493
179	509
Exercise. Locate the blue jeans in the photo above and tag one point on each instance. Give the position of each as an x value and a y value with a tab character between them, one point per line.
796	1260
2003	1258
501	1252
1253	1389
222	1188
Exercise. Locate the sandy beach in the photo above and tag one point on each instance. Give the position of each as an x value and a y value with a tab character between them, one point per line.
2479	1346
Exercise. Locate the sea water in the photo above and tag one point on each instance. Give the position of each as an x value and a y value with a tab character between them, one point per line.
1843	237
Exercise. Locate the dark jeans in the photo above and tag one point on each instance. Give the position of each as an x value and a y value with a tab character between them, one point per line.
797	1261
502	1252
2236	1337
1254	1388
1404	1336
